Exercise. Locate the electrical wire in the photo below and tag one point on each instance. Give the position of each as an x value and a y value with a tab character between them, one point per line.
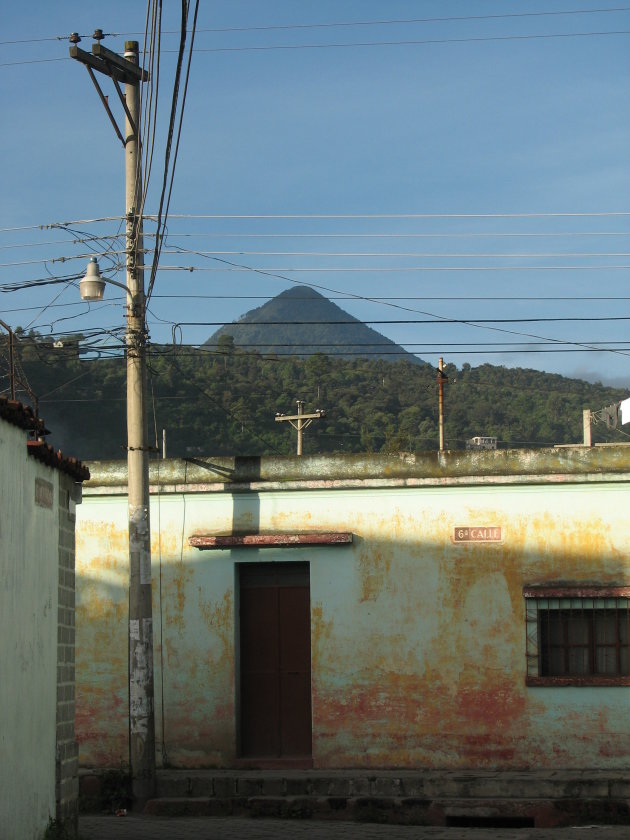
369	44
153	33
164	198
470	322
435	320
274	270
411	254
287	235
336	216
337	24
371	216
444	348
414	43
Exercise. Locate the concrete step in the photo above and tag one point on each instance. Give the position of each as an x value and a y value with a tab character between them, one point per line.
422	784
424	797
408	811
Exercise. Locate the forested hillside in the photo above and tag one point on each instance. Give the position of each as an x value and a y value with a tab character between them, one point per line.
223	402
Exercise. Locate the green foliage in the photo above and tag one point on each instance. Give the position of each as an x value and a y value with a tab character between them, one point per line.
223	401
55	830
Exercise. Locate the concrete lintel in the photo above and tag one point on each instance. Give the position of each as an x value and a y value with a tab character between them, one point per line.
277	540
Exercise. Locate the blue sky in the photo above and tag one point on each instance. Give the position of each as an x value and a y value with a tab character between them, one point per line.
480	174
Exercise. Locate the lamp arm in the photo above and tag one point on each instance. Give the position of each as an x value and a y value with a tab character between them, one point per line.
116	283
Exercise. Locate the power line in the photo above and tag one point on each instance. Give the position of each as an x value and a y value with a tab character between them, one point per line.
403	344
414	254
409	268
456	298
470	322
195	351
401	21
546	215
337	24
152	217
435	320
392	269
412	43
368	44
114	237
408	297
453	235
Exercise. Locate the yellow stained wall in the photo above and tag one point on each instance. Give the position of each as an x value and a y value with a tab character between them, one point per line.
418	643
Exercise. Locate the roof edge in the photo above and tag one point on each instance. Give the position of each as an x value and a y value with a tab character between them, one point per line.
232	472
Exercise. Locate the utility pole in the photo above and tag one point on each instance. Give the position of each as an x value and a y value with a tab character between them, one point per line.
11	358
300	421
586	423
126	70
441	378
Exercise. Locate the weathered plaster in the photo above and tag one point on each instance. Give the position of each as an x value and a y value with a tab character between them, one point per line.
418	642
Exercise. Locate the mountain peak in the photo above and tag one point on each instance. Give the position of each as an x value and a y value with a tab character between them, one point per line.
282	326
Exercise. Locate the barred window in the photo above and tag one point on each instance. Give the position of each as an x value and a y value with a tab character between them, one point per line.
578	636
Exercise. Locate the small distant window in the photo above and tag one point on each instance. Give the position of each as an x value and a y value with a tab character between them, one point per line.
578	636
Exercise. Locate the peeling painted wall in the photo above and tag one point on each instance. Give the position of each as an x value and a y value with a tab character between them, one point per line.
28	630
418	641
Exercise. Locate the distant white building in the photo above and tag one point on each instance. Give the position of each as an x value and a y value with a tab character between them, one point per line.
481	443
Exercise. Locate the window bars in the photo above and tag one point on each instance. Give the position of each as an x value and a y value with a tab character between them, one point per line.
577	636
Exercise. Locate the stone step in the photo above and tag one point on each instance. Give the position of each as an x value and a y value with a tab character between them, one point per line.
420	784
367	809
501	798
504	813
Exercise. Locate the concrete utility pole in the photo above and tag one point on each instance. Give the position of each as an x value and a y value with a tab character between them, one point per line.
586	423
141	691
11	358
441	378
300	421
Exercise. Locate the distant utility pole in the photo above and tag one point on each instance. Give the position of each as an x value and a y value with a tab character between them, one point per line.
586	422
441	378
300	421
125	70
11	358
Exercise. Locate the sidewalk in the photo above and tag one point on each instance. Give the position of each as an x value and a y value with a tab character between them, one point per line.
137	827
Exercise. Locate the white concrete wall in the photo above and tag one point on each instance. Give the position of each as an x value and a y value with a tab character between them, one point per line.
28	634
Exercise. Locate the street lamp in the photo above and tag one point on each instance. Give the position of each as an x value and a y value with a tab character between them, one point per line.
92	285
126	70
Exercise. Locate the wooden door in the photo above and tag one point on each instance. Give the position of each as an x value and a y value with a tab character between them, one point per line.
275	660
